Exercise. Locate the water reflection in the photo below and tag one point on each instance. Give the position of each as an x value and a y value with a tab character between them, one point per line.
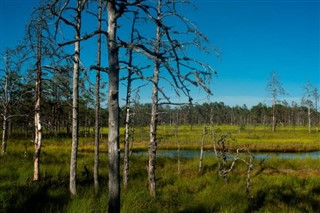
257	155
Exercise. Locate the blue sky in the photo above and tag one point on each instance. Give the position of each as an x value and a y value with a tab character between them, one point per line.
254	38
257	37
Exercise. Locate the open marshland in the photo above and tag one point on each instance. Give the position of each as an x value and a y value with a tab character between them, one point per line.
283	185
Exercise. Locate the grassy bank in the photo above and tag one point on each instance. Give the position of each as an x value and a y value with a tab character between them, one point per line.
276	185
256	138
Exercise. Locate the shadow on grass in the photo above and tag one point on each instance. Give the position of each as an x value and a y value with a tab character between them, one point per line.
35	197
282	196
200	208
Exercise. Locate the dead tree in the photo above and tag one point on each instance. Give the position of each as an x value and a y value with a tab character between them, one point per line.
75	102
97	107
58	8
316	97
242	155
5	104
11	90
37	107
154	108
113	102
275	88
307	101
176	130
204	133
168	52
39	46
130	79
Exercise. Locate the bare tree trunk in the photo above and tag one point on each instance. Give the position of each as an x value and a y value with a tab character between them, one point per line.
127	134
4	132
153	134
113	108
154	114
85	122
176	129
273	117
5	110
5	116
309	118
204	132
75	104
128	111
132	139
37	114
97	119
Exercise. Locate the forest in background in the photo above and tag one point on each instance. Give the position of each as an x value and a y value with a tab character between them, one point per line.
49	89
57	116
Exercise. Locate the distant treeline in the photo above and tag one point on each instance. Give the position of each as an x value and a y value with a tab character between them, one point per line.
218	113
57	116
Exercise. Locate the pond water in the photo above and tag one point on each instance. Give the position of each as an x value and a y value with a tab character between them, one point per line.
257	155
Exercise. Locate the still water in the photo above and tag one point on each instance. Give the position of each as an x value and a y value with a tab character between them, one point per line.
257	155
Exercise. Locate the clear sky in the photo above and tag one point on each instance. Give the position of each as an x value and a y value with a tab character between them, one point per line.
254	37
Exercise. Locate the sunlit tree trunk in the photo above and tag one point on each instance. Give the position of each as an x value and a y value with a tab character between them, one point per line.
204	132
4	132
113	108
37	109
128	111
5	113
273	117
75	102
154	113
127	136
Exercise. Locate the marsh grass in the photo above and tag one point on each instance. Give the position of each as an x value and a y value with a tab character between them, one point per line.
277	184
256	138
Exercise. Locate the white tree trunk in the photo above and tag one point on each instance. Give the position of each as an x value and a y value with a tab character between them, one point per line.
309	118
127	137
204	132
75	87
154	113
4	133
128	112
5	113
37	114
273	116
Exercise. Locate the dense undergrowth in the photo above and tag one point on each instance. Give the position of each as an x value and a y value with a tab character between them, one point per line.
291	185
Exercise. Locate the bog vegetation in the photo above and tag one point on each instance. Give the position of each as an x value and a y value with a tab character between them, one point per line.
67	146
290	185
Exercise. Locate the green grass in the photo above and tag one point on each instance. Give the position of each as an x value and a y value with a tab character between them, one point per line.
277	184
256	138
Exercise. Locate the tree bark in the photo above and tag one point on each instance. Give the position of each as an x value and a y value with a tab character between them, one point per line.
4	133
97	115
154	113
273	116
75	102
204	132
113	108
309	117
128	111
5	116
37	109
